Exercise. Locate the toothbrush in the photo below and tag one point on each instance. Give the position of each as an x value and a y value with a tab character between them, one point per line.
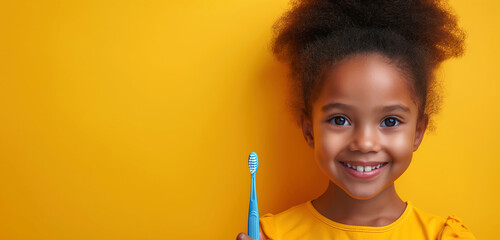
253	212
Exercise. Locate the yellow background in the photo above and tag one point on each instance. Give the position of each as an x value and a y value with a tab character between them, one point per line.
134	120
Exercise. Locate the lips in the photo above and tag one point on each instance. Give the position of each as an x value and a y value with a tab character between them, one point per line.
363	164
363	170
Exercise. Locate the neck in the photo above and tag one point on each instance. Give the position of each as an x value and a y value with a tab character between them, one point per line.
380	210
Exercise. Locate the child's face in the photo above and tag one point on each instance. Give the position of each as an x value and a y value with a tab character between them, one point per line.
364	116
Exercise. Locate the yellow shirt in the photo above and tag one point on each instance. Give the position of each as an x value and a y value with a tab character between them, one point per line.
303	222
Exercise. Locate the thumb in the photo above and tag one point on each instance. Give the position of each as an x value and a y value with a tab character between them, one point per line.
244	236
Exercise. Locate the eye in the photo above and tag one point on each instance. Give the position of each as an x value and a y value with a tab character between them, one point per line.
390	122
339	120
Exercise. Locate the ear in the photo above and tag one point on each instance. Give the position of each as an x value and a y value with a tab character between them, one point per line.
307	130
419	133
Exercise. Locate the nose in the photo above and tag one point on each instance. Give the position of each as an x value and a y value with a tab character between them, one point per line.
365	140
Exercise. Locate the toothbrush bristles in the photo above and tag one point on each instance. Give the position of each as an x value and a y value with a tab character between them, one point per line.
253	162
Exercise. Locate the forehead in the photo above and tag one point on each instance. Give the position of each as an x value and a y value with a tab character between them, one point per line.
366	80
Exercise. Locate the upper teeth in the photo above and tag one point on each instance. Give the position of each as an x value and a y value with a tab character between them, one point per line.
363	169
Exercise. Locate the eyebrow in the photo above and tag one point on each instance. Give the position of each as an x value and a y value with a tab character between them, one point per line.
346	106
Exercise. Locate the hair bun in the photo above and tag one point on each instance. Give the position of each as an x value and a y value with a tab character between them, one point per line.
427	23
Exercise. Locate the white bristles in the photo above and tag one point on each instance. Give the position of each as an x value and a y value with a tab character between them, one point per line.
253	162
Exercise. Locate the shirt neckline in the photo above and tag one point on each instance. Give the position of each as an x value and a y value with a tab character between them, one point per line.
355	228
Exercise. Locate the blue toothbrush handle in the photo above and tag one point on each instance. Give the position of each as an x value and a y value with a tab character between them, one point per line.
253	212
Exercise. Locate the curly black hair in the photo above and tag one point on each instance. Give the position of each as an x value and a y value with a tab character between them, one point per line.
417	35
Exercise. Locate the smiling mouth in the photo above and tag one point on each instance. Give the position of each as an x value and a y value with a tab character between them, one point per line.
365	167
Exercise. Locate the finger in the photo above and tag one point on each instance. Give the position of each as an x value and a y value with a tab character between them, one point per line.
243	236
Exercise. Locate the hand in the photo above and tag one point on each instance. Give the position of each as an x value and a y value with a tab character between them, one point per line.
243	236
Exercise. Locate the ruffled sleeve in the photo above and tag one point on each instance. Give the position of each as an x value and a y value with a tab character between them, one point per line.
454	229
268	226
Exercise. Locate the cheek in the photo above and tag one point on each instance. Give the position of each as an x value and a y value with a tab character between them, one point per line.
401	148
328	146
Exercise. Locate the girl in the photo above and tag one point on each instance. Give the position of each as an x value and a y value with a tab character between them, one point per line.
364	97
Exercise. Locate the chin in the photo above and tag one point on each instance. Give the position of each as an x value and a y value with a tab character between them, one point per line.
361	193
362	196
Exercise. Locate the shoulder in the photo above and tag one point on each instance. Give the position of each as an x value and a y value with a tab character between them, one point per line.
426	219
287	219
455	229
448	228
